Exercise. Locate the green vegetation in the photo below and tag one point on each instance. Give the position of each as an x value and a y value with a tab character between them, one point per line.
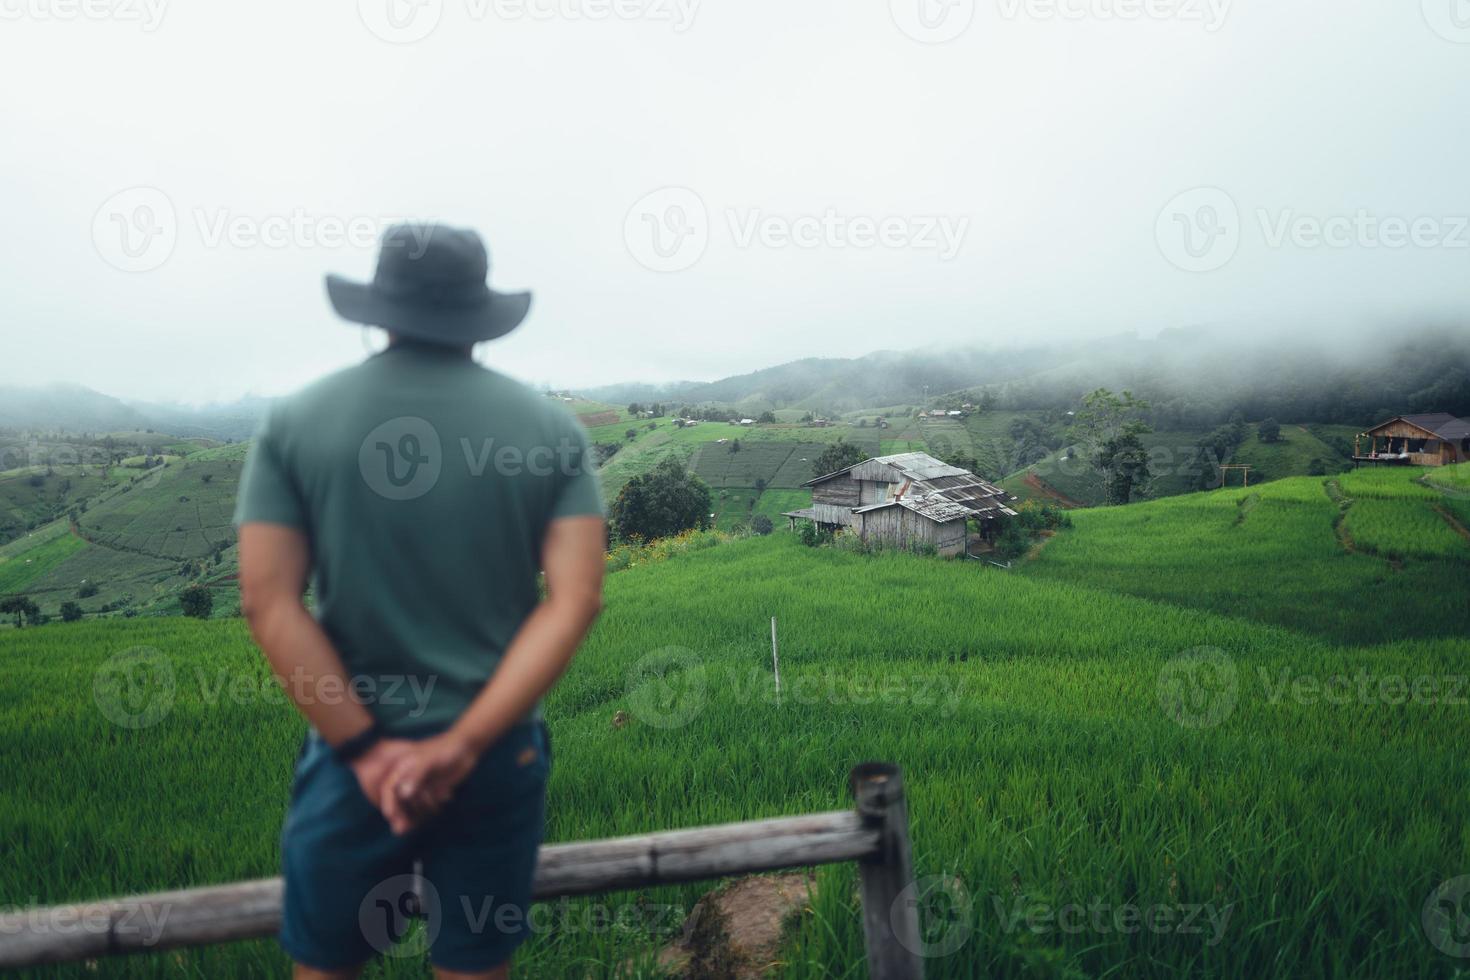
1050	761
1273	554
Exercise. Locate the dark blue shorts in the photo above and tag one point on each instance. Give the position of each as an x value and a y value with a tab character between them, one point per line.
351	892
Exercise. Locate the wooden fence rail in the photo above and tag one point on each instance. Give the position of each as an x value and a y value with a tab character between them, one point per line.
874	834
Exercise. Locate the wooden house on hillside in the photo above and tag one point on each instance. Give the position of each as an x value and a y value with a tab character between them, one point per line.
904	500
1415	440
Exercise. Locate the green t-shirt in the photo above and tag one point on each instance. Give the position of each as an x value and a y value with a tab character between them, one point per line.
425	485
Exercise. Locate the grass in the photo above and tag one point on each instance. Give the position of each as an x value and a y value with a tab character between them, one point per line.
24	561
1044	769
1270	553
1292	455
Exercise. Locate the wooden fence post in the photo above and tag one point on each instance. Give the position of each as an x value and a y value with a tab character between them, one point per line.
890	909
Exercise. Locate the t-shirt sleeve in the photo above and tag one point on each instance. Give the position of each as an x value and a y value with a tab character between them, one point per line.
579	493
269	492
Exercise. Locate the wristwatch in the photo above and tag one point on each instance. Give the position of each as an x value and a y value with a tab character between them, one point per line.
358	744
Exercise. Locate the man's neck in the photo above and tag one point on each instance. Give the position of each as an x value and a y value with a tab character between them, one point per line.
396	342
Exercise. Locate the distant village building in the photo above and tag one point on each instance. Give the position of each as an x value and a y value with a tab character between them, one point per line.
747	421
1438	439
906	499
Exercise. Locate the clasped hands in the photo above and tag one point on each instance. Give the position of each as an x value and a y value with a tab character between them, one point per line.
411	780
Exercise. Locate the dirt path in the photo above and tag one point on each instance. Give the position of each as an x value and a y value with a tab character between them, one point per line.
1452	521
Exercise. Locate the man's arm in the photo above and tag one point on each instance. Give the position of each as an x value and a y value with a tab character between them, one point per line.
573	560
274	563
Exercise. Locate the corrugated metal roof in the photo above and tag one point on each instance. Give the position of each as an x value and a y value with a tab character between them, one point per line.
1442	424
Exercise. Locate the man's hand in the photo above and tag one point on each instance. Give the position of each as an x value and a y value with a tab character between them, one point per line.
423	779
373	766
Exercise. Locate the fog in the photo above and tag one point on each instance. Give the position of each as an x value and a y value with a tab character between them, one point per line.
699	189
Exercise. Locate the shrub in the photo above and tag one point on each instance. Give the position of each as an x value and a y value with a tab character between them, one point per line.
70	612
813	536
88	590
197	601
761	524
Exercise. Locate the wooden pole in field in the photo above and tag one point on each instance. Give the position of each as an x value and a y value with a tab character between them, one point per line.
776	661
890	908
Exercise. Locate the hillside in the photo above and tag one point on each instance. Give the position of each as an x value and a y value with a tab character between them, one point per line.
1133	719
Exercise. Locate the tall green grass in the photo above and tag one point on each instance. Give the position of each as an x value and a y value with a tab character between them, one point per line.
1045	767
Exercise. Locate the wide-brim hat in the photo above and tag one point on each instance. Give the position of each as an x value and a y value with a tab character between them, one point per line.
431	285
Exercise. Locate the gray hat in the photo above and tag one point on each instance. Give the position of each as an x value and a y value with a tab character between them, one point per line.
430	285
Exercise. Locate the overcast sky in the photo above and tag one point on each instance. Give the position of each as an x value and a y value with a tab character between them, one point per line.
697	189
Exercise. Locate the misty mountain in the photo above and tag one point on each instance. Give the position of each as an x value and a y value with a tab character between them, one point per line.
838	384
67	407
74	408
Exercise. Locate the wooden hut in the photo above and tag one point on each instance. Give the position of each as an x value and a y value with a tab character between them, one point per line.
906	500
1414	440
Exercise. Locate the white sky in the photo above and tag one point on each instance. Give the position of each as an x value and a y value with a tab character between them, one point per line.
1056	141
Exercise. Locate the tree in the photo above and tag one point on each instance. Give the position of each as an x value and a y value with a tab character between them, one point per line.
197	601
1269	431
22	608
761	524
760	484
87	590
735	445
70	612
1109	429
838	456
661	503
767	417
631	434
